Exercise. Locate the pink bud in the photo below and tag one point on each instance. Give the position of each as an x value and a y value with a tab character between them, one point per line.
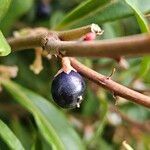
89	36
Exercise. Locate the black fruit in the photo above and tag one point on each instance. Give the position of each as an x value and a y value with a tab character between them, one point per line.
67	89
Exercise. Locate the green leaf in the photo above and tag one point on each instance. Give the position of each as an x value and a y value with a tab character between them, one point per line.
9	137
56	18
91	104
103	112
16	10
37	145
115	10
25	137
145	64
119	9
139	16
51	122
112	30
4	5
104	145
85	9
103	115
4	47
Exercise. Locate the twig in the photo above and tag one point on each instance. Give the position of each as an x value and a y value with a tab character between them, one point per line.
126	46
79	32
37	66
109	84
26	42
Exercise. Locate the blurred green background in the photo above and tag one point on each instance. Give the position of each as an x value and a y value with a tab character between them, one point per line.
36	122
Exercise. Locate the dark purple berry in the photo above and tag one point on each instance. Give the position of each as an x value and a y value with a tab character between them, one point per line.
67	89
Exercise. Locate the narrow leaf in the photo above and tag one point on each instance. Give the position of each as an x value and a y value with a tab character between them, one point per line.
145	64
103	113
51	122
4	47
139	16
116	9
9	137
25	137
86	8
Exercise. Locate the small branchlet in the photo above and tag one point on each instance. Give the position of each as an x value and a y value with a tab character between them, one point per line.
75	34
37	66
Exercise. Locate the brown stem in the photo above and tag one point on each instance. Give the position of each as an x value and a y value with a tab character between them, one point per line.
126	46
79	32
109	84
132	45
27	42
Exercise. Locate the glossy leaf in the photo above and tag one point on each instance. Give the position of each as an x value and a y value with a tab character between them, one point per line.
51	122
4	5
8	136
86	8
4	47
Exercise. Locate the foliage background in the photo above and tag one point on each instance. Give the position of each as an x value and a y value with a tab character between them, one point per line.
37	122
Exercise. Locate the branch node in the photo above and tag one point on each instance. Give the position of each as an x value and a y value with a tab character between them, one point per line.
50	42
66	66
102	82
